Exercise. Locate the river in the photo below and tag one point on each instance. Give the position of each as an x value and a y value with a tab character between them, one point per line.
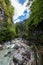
16	52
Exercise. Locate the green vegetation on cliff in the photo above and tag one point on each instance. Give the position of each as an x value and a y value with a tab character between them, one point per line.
7	28
34	25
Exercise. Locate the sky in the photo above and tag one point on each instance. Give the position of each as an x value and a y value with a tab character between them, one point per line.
21	11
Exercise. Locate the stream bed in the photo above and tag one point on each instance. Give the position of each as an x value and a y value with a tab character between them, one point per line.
16	52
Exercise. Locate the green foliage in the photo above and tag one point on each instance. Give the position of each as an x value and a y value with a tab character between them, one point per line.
8	2
31	25
36	12
11	10
7	28
8	9
20	28
7	31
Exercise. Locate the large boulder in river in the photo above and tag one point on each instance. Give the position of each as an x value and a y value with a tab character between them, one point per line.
18	59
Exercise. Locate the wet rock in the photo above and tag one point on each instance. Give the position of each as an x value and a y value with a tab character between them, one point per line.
1	47
8	54
11	62
15	60
7	43
18	59
7	46
13	42
17	45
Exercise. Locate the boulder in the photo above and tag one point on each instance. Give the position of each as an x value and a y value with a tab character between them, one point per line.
17	58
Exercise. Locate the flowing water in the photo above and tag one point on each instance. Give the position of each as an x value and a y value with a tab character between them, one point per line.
4	60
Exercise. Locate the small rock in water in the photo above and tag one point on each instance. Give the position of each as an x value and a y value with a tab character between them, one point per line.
7	43
8	54
13	42
16	46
